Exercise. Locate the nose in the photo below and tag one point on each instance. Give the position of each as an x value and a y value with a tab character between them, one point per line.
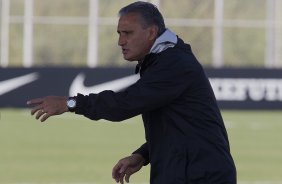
121	41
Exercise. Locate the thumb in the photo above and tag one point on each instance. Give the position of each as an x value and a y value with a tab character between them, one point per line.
128	173
127	176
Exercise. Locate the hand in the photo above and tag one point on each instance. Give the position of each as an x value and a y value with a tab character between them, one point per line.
48	106
126	167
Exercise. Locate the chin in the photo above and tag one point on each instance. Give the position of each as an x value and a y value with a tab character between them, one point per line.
130	59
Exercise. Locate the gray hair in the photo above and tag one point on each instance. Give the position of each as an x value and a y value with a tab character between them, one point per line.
148	12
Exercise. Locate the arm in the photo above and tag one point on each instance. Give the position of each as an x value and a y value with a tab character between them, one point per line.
160	85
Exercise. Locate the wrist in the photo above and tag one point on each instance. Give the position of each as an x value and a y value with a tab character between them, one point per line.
139	157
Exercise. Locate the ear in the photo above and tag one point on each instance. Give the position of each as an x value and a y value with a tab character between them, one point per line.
153	30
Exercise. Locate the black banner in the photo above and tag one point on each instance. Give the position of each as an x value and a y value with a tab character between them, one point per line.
234	88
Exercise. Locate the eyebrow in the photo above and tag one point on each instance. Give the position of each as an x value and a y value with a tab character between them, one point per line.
118	31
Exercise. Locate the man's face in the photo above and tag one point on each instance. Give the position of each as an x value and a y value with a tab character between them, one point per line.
135	39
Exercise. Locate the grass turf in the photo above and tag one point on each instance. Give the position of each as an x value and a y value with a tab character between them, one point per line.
73	149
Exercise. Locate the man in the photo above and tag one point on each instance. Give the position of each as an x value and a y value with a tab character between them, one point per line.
186	141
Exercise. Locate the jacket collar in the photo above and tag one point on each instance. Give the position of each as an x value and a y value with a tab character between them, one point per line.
166	40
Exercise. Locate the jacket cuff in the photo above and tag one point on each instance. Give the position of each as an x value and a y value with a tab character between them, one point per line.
81	104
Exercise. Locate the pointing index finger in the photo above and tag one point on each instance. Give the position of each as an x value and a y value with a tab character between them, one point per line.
35	101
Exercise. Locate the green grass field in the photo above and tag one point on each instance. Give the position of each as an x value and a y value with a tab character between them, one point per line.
71	149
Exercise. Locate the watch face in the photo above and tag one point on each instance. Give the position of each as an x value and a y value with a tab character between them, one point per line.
71	103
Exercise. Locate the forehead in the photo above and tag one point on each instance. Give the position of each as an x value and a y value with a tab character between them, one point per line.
129	20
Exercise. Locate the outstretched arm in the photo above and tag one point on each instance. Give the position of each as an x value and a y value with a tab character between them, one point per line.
48	106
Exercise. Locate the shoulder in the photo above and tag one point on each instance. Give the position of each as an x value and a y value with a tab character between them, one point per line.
180	58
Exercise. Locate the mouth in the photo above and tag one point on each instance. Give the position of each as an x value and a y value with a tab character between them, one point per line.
124	51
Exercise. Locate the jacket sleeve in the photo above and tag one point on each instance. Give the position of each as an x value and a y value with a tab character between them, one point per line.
144	152
159	85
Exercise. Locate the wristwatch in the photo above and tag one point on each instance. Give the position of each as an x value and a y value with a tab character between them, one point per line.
71	104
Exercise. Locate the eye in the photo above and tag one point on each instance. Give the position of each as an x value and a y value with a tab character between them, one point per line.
124	33
128	32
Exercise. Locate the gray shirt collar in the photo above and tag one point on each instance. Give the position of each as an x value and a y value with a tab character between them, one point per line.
166	40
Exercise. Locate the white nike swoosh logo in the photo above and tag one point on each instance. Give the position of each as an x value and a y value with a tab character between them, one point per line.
116	85
14	83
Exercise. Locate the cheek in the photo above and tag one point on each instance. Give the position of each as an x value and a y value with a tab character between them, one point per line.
140	44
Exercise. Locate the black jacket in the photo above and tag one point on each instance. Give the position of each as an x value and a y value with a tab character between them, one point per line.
186	141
